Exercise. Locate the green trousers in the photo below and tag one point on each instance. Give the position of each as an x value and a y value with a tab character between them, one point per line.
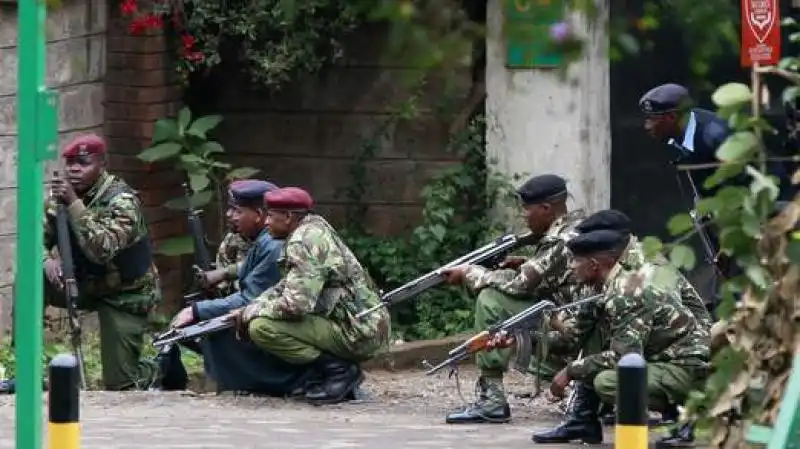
121	339
492	307
302	341
666	384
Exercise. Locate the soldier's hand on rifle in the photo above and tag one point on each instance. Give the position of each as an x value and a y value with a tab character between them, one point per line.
208	279
500	340
455	275
63	190
52	271
240	323
512	262
183	318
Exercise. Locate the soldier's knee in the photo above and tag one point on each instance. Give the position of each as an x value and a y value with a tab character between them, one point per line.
605	384
262	332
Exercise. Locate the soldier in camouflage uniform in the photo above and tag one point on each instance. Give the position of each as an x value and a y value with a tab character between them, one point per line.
633	259
505	292
113	261
635	317
309	317
223	280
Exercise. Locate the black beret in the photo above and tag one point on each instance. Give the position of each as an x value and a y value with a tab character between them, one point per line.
542	188
664	98
598	241
249	192
605	219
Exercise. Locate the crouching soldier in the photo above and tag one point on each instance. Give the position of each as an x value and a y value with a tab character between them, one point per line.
637	318
309	318
238	365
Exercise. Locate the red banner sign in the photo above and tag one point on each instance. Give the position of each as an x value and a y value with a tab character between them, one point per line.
761	32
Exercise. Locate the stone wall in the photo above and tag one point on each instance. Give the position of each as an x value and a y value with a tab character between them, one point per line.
75	67
309	133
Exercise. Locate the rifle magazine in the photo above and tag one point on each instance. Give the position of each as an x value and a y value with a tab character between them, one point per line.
523	350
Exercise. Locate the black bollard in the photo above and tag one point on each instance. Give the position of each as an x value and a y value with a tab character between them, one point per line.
631	429
63	430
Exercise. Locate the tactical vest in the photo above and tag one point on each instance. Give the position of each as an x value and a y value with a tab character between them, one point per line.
133	262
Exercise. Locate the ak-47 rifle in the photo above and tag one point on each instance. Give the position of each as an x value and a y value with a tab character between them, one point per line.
202	257
486	255
70	284
519	326
175	335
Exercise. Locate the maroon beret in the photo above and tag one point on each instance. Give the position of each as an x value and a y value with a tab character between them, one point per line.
84	145
289	198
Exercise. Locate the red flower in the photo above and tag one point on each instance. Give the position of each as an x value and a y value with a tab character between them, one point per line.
137	26
195	56
188	41
128	7
153	21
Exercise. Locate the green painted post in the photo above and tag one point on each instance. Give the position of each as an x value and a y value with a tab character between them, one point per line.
37	135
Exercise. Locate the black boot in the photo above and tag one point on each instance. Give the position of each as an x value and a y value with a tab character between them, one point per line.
171	374
340	379
491	406
582	423
8	386
310	381
680	437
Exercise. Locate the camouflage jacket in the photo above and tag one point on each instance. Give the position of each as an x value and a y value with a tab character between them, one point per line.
106	224
636	317
323	277
230	256
633	259
550	264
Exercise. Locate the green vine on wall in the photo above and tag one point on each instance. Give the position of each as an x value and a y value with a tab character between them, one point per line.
456	217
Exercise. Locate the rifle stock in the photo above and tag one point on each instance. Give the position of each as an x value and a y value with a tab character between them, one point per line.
202	257
486	255
70	284
519	325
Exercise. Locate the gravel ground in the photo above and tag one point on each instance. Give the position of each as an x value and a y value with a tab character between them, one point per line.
403	410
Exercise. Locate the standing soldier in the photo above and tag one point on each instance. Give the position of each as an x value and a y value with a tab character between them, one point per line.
113	260
309	317
503	293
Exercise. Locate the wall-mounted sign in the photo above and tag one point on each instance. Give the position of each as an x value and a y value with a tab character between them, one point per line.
761	32
527	33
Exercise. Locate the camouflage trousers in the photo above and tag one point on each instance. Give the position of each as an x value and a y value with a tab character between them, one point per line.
492	307
666	384
302	342
121	338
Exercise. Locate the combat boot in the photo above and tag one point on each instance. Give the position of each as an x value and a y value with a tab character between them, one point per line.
170	373
491	406
340	379
680	437
582	422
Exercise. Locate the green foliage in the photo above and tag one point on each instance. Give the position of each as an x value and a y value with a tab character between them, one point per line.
187	145
455	220
91	357
272	39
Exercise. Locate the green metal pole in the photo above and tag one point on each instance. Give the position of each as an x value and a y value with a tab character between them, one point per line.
37	133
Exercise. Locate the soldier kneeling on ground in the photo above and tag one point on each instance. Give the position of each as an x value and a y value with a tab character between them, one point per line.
309	317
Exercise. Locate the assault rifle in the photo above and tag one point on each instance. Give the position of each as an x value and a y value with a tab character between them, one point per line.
487	255
70	284
201	255
168	338
519	326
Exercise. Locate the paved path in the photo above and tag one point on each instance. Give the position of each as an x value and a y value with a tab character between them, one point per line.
172	421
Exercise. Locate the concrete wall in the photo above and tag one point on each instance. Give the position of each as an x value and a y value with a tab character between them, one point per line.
75	67
539	124
309	133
